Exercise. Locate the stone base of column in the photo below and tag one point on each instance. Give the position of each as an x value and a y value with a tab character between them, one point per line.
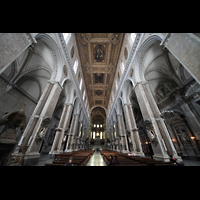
56	152
179	159
139	154
31	159
69	150
161	158
125	151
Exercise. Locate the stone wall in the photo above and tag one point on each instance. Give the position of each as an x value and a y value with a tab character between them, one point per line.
14	101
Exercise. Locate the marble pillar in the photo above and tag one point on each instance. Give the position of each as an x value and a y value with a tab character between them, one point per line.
77	137
132	127
117	136
60	133
159	136
122	133
82	137
73	129
28	145
113	138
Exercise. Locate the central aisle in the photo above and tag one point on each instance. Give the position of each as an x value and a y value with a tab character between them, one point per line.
96	160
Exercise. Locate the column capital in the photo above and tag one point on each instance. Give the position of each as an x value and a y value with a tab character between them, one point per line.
141	83
126	104
68	104
55	82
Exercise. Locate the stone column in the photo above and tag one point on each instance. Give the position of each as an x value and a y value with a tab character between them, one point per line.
122	133
117	136
77	137
113	138
129	126
132	127
63	124
110	134
82	137
44	109
159	136
72	133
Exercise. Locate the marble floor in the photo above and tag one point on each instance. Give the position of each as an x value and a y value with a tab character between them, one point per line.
96	160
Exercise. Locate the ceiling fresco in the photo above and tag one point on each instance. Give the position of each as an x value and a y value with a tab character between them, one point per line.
99	54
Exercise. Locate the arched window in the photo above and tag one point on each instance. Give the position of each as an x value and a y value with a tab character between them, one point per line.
133	36
122	66
80	84
66	37
75	66
83	95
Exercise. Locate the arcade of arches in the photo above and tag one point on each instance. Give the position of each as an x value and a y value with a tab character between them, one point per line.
66	92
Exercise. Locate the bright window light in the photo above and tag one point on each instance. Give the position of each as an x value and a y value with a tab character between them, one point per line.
93	135
122	64
75	66
100	125
80	84
97	125
94	125
65	35
83	94
133	36
100	135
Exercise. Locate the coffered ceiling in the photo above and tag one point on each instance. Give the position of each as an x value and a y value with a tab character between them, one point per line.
99	54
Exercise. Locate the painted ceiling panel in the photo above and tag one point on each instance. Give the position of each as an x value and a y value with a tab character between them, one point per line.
99	54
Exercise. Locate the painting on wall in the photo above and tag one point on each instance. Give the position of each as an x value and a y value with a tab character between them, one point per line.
98	77
99	52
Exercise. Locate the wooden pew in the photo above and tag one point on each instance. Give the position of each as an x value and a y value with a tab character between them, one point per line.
80	158
126	160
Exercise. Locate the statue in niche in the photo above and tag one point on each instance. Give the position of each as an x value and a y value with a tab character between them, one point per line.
43	129
52	135
151	132
11	121
182	133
